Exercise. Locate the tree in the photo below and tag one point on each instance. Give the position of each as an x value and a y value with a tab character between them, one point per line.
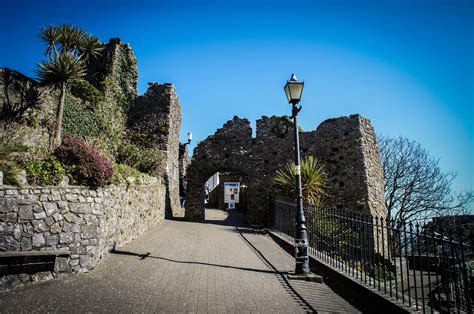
68	48
313	180
415	186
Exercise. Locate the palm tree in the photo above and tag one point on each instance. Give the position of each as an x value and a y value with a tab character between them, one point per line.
58	73
313	180
90	47
68	48
50	35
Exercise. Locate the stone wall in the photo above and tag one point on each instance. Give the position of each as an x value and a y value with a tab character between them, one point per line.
87	222
183	160
156	117
347	146
183	167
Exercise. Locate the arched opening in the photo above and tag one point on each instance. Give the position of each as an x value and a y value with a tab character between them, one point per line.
217	193
207	191
226	198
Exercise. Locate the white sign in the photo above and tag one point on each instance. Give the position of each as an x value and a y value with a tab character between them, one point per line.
231	192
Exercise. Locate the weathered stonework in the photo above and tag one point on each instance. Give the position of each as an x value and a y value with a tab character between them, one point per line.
156	118
87	222
346	145
183	160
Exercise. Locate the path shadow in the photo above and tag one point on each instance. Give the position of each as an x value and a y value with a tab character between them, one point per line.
282	278
147	255
235	218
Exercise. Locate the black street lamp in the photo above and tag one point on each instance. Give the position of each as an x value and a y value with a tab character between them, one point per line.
293	90
190	138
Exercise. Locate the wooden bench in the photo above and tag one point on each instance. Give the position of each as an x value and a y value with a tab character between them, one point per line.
35	253
15	262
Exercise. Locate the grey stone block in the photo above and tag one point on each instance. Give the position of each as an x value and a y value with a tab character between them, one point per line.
85	261
26	212
17	231
9	204
39	225
80	208
66	237
38	240
42	276
49	221
58	217
88	232
55	228
62	265
50	208
52	240
40	215
70	217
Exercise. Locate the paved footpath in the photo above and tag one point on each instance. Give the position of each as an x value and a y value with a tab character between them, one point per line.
219	266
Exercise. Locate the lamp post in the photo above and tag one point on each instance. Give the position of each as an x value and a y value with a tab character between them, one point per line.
293	90
190	138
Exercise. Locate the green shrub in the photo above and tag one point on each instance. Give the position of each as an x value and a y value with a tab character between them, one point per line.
10	174
86	91
122	172
146	160
16	148
45	172
8	165
313	180
102	126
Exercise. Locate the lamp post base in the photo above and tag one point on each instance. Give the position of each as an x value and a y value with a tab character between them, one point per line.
308	277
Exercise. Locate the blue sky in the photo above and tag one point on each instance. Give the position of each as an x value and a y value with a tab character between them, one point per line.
408	66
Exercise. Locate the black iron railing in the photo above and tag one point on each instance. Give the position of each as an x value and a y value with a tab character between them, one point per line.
425	267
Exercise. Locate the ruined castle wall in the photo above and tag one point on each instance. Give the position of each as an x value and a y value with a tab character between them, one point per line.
337	143
346	146
156	118
183	160
229	149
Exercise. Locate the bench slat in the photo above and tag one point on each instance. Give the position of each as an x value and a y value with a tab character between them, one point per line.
34	253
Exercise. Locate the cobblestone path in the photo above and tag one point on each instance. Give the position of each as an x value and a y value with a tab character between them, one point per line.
185	267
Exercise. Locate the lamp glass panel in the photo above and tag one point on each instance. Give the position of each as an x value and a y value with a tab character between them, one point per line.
287	92
190	136
296	89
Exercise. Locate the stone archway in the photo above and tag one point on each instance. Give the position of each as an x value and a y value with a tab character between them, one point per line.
346	145
228	150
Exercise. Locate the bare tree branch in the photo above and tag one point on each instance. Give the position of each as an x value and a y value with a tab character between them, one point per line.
415	186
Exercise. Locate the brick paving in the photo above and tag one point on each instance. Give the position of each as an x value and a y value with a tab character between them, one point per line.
212	267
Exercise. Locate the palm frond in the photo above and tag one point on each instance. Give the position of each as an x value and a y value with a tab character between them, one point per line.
63	69
71	37
50	36
313	180
90	47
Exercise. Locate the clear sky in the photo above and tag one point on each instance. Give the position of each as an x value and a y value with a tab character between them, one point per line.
408	66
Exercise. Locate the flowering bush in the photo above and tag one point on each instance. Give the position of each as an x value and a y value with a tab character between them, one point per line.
86	164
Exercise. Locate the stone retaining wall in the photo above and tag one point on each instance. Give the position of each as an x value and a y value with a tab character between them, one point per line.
87	222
